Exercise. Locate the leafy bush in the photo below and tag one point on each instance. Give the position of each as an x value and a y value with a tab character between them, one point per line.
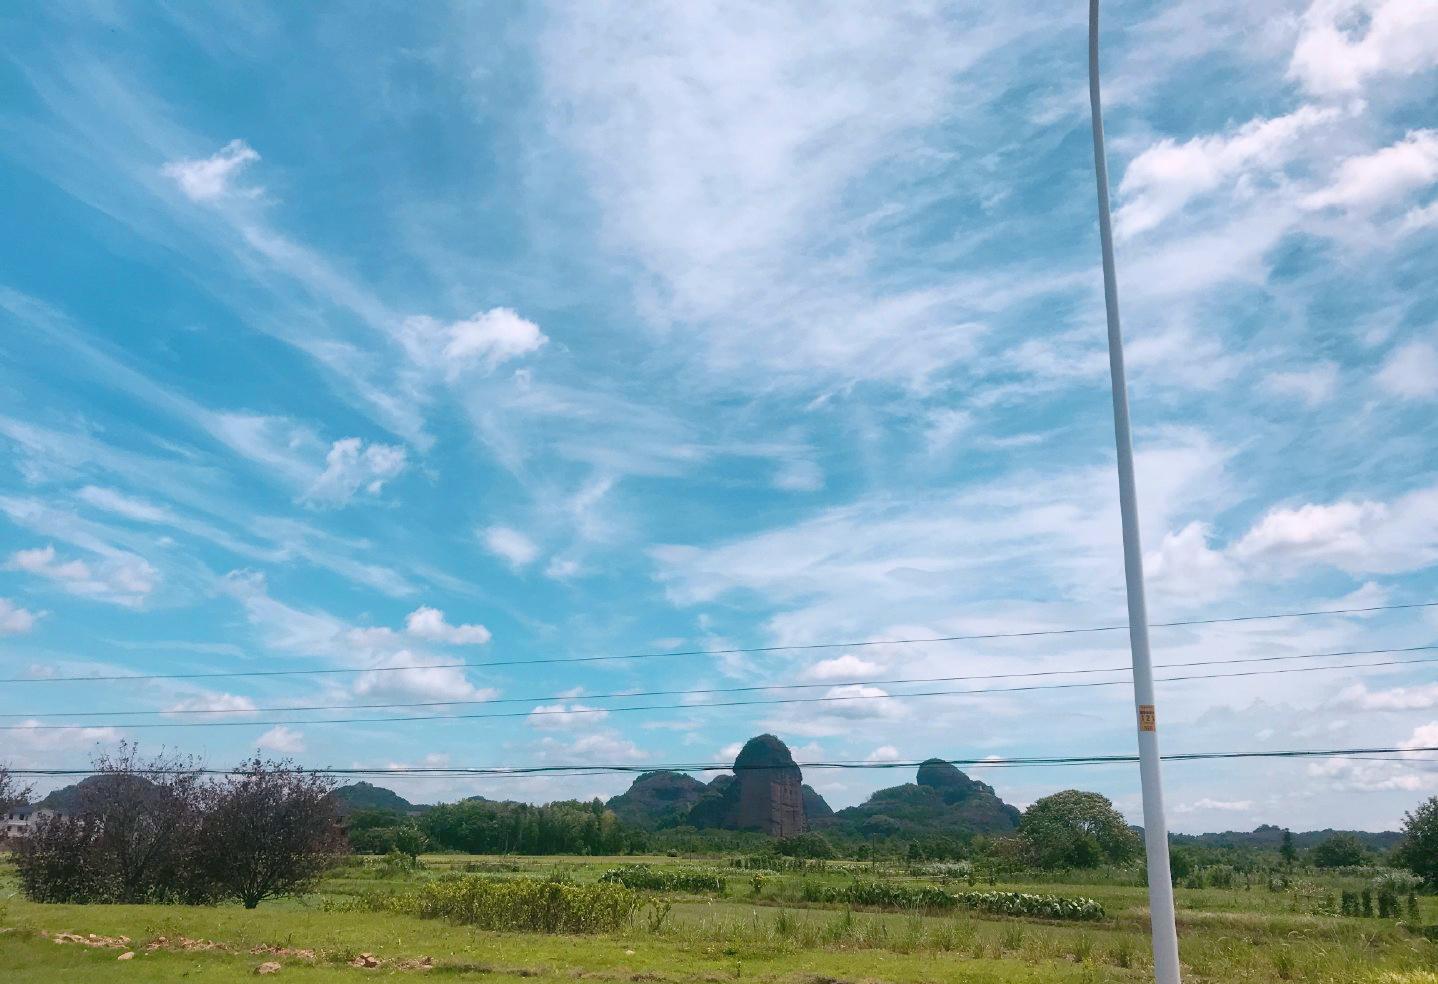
665	879
524	904
54	864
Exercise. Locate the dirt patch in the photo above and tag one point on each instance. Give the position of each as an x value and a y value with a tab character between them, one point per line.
90	939
299	953
184	944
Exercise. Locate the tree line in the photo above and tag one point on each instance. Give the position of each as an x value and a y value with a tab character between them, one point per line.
479	826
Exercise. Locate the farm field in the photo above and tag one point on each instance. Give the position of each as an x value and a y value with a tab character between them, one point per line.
759	929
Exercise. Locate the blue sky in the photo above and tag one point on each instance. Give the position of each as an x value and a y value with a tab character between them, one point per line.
347	337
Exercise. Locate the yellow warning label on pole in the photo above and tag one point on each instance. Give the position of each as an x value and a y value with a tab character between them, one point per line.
1147	719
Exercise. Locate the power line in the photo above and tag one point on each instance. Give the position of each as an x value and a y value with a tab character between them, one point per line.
451	772
717	704
735	690
750	650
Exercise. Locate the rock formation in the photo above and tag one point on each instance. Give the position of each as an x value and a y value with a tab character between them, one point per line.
817	812
766	793
658	799
941	801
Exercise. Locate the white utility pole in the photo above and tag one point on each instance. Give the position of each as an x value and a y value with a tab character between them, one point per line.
1155	826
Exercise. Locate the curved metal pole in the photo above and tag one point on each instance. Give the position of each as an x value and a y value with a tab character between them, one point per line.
1155	826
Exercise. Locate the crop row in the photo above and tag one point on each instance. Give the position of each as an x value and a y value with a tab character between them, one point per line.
890	896
524	904
664	879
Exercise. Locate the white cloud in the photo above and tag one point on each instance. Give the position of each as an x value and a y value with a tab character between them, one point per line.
943	427
282	740
1391	174
1184	563
1424	736
1162	179
1333	56
1411	773
30	736
861	701
1312	386
351	465
428	623
14	619
1422	217
799	475
317	634
884	753
420	680
487	340
1420	698
602	747
845	667
1228	806
1359	537
119	578
572	715
209	178
1411	371
562	568
231	704
513	546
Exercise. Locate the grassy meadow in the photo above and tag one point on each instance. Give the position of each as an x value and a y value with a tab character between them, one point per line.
760	927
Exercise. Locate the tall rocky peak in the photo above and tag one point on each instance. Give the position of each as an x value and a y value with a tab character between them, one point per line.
765	793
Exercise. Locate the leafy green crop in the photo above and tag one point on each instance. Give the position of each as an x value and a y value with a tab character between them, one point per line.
664	879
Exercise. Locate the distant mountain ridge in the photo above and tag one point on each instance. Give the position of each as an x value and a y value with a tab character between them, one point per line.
1268	836
365	796
941	800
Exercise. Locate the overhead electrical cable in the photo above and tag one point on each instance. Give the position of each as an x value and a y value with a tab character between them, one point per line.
995	761
831	698
1029	674
749	650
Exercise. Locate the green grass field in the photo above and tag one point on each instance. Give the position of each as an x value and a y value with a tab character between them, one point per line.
1227	935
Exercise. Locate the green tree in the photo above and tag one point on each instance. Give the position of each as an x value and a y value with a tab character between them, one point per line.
1076	829
1419	850
1181	863
1339	851
1286	850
